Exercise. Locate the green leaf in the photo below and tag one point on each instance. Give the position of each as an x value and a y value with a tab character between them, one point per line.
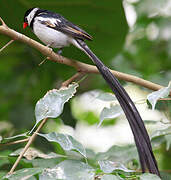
148	176
106	97
51	105
2	174
110	113
3	161
162	93
46	163
162	132
168	141
69	170
110	177
166	175
67	142
25	174
4	158
109	166
32	178
33	153
161	136
122	154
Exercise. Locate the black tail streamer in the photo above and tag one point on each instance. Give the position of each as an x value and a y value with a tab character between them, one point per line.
142	140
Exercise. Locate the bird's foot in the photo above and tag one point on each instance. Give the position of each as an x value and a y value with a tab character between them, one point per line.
50	49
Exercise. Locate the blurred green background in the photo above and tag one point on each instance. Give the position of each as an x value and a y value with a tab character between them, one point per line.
22	78
130	36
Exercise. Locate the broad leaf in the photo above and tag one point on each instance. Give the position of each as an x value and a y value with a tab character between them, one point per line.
109	166
106	97
51	105
148	176
161	136
168	141
110	177
161	132
33	153
67	142
122	154
69	170
23	174
46	163
162	93
110	113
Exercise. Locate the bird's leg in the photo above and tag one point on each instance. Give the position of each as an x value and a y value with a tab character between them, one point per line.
46	57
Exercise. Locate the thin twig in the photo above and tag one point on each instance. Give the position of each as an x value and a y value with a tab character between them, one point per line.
15	142
3	23
6	45
70	80
166	170
42	61
31	139
164	99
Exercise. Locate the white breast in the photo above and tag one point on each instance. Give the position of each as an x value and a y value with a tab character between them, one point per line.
49	36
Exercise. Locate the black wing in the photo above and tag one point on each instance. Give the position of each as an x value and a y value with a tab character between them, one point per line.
59	23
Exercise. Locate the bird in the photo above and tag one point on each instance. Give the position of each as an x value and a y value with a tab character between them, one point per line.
57	32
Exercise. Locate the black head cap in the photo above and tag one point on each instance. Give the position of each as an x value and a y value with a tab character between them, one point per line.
27	13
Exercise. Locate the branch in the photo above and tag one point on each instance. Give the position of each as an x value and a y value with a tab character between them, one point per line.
73	78
31	139
6	45
14	142
79	66
3	23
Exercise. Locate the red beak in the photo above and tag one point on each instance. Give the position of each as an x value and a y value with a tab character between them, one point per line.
25	24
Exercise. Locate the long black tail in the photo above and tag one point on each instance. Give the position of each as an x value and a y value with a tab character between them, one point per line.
142	140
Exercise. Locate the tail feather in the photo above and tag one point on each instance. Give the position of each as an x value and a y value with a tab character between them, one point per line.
142	140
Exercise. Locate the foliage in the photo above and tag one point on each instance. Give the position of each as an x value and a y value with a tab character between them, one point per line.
74	162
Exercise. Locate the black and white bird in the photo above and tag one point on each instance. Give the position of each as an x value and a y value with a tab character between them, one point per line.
57	32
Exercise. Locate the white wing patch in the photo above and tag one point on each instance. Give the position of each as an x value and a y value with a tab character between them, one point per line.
58	20
50	21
